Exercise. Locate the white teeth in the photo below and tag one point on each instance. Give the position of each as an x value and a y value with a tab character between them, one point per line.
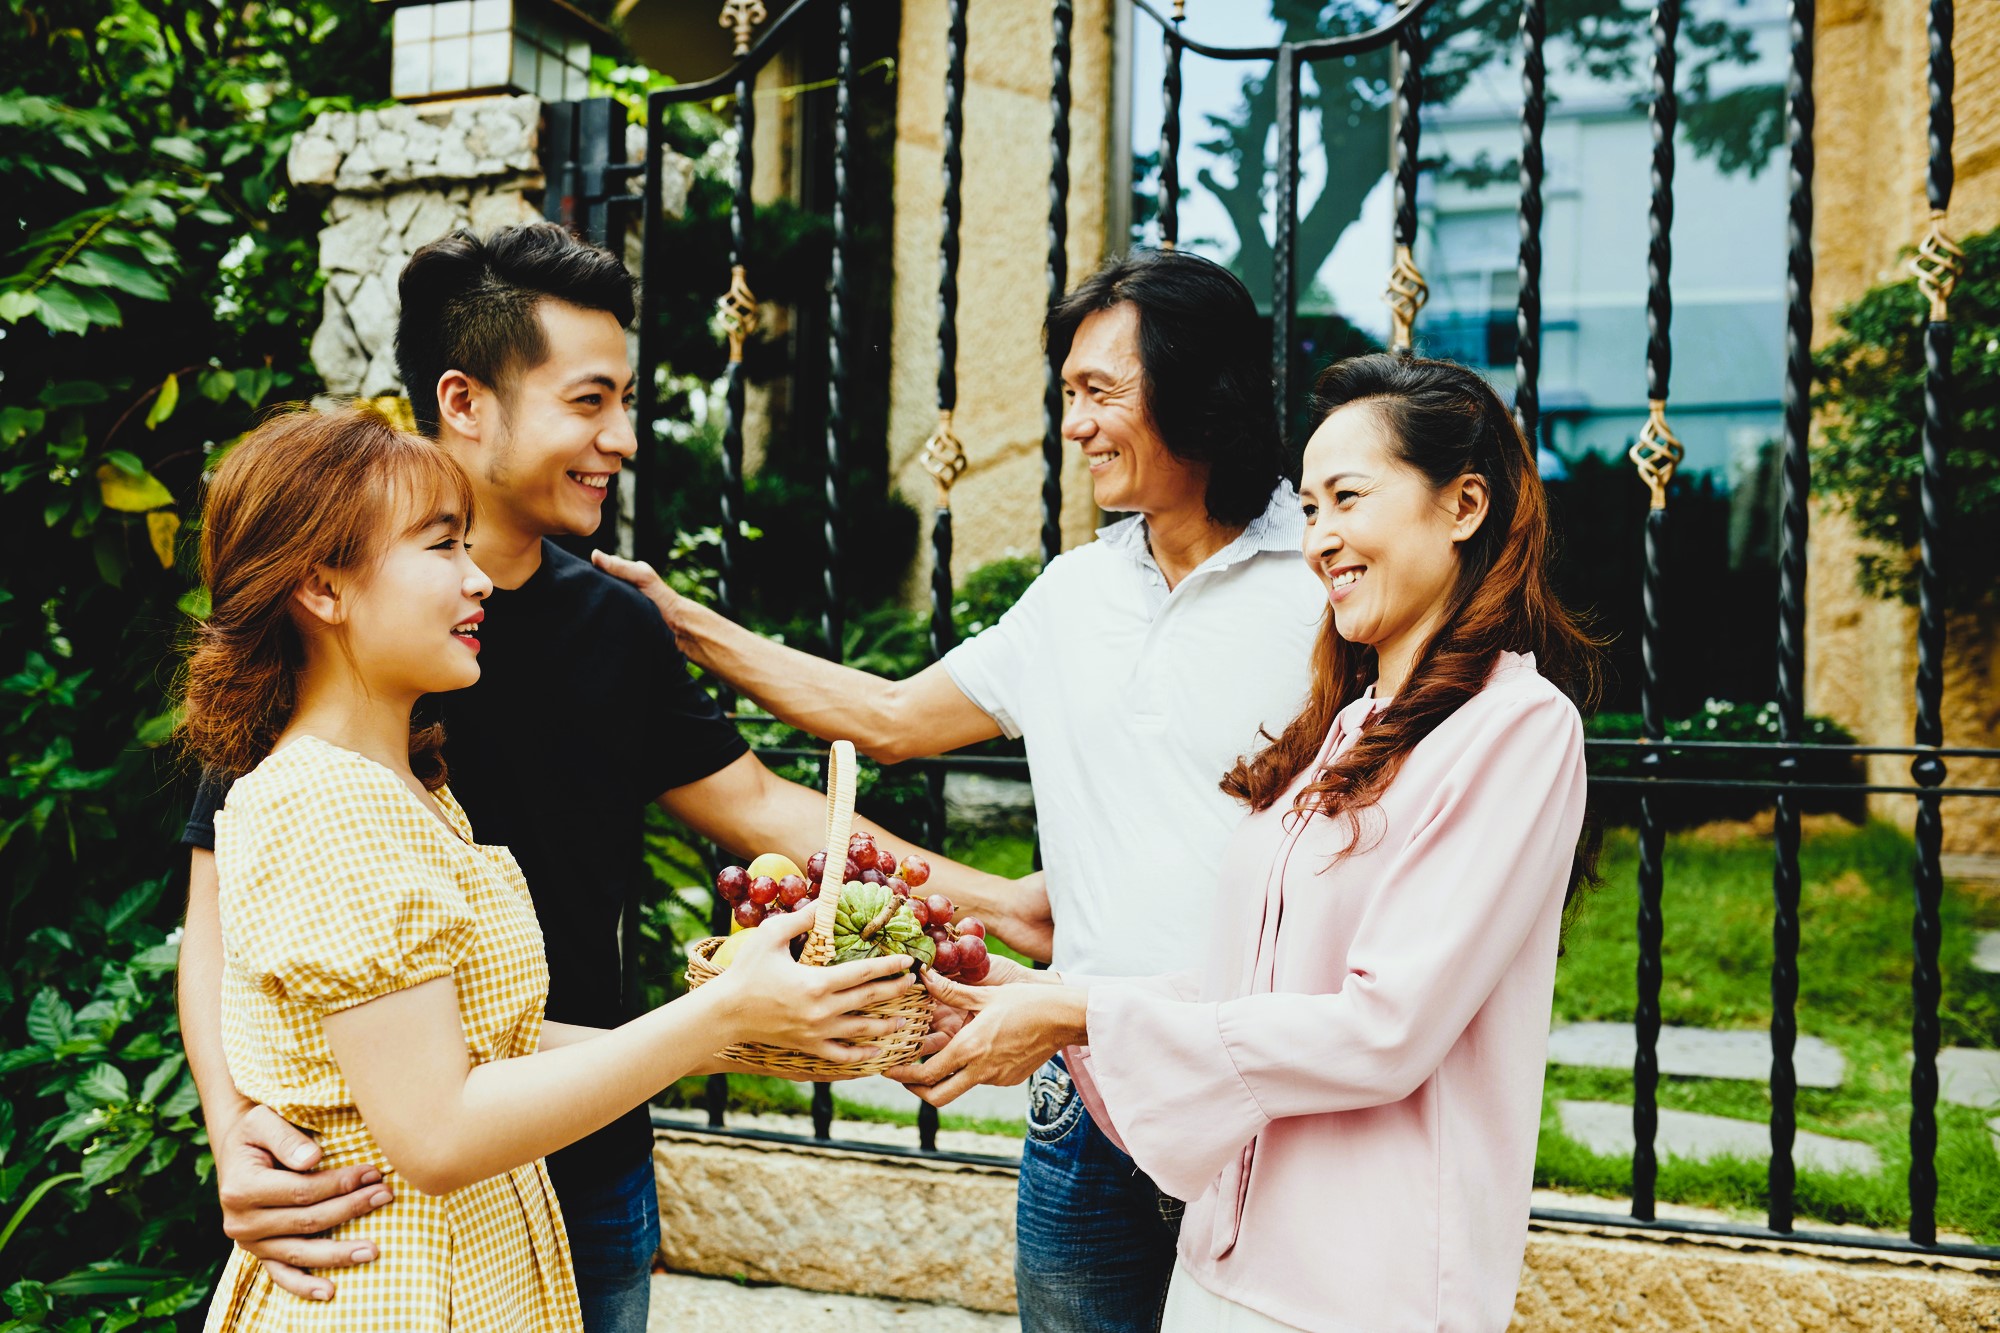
597	481
1346	578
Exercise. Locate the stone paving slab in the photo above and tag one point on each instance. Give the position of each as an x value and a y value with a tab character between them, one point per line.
1986	951
1700	1052
1606	1127
1969	1077
686	1304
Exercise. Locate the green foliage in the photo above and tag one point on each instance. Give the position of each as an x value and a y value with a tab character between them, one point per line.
1719	720
1870	463
156	294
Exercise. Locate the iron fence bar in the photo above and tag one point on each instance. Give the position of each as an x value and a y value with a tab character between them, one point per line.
1528	268
1738	1231
748	60
1320	48
1170	132
1062	15
1797	487
644	538
1776	785
1928	770
1801	750
1655	456
832	628
662	1121
1407	291
1285	246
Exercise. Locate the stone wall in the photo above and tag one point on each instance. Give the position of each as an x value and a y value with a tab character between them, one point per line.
400	177
1001	274
1871	149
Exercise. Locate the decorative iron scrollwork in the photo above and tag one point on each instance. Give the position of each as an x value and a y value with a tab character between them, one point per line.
1657	452
738	309
944	458
742	15
1937	266
1406	294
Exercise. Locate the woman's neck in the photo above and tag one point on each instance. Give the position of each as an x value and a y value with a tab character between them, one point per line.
337	706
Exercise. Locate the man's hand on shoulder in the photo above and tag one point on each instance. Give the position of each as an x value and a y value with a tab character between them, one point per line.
675	609
275	1205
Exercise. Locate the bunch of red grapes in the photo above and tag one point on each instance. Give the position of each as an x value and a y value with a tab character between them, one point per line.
752	898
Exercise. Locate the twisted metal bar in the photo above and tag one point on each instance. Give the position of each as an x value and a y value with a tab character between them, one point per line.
832	622
1656	453
1170	134
1938	275
1528	269
651	216
1797	482
1407	291
1285	247
1063	14
954	170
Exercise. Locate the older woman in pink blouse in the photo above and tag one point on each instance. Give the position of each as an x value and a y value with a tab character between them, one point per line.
1347	1094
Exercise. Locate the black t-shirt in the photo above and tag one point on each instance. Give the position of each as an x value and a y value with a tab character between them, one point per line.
584	712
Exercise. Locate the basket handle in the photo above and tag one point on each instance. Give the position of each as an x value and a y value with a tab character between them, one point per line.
840	766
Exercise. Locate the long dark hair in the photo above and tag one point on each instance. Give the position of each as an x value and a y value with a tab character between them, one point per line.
1207	364
1446	422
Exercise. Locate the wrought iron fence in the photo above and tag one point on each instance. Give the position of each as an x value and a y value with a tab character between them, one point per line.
1655	456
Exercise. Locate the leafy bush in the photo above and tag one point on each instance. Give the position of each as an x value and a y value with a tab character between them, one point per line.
1870	463
1718	720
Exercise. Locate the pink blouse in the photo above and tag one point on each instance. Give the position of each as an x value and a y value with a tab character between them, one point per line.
1349	1093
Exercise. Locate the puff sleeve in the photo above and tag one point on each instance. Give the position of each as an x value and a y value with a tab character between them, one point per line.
335	896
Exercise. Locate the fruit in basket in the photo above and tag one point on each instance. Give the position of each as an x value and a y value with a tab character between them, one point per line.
914	871
871	922
725	953
733	883
763	890
774	864
746	915
793	890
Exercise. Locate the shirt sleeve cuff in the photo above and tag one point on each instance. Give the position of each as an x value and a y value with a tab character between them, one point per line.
964	675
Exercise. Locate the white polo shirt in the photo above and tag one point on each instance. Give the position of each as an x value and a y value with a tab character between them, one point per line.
1135	700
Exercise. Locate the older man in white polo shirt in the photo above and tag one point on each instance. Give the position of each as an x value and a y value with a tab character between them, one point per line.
1137	668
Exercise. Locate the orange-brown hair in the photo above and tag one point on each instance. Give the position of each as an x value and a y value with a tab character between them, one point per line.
302	491
1446	422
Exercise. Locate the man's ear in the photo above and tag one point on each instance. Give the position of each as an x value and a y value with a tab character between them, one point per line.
465	406
319	596
1471	503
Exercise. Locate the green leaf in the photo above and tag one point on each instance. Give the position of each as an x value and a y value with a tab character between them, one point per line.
184	1099
105	1084
64	176
50	1022
127	463
194	603
131	495
217	385
157	1081
126	276
18	421
16	306
181	150
101	1166
30	1301
74	393
163	406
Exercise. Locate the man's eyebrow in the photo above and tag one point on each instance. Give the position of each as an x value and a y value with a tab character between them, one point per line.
602	381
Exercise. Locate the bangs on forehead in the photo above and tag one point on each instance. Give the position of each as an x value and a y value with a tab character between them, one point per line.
422	484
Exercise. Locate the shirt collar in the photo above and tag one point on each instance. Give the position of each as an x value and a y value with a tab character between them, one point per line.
1280	527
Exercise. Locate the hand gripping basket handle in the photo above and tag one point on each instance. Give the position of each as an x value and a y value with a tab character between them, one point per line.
840	766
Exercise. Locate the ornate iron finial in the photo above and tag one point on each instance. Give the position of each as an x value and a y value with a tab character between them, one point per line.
738	308
1937	265
1657	452
944	458
742	15
1180	10
1406	294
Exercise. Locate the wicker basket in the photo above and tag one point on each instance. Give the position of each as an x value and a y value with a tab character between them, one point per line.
913	1005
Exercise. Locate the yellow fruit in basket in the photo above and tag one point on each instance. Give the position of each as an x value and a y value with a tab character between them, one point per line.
722	957
775	864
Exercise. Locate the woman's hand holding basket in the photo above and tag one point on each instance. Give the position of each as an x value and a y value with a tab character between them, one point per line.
766	997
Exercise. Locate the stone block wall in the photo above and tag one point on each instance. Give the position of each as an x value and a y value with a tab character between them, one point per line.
399	177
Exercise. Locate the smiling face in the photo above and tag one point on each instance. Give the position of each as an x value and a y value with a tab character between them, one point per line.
552	438
1382	539
410	621
1106	414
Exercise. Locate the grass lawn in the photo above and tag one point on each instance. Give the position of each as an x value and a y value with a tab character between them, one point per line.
1854	991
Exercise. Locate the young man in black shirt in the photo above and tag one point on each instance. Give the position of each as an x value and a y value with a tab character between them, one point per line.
514	350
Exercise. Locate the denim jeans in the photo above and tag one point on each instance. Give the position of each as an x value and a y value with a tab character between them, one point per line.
1095	1246
614	1231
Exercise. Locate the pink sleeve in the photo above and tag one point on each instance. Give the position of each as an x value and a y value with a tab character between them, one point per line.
1188	1085
1184	987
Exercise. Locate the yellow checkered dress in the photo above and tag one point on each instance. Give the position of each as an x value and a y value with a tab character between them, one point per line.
339	886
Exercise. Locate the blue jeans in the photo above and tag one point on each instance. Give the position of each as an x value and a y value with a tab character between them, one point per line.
614	1231
1095	1248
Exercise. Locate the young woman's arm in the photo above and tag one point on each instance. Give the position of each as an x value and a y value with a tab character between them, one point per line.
444	1123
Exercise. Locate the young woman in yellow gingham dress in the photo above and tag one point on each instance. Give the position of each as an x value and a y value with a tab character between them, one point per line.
383	975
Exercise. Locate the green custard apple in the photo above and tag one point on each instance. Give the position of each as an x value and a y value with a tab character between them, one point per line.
872	922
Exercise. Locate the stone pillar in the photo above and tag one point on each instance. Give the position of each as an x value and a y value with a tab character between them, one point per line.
997	504
1870	142
399	177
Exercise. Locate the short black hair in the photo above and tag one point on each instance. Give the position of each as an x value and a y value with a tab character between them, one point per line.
469	304
1207	363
